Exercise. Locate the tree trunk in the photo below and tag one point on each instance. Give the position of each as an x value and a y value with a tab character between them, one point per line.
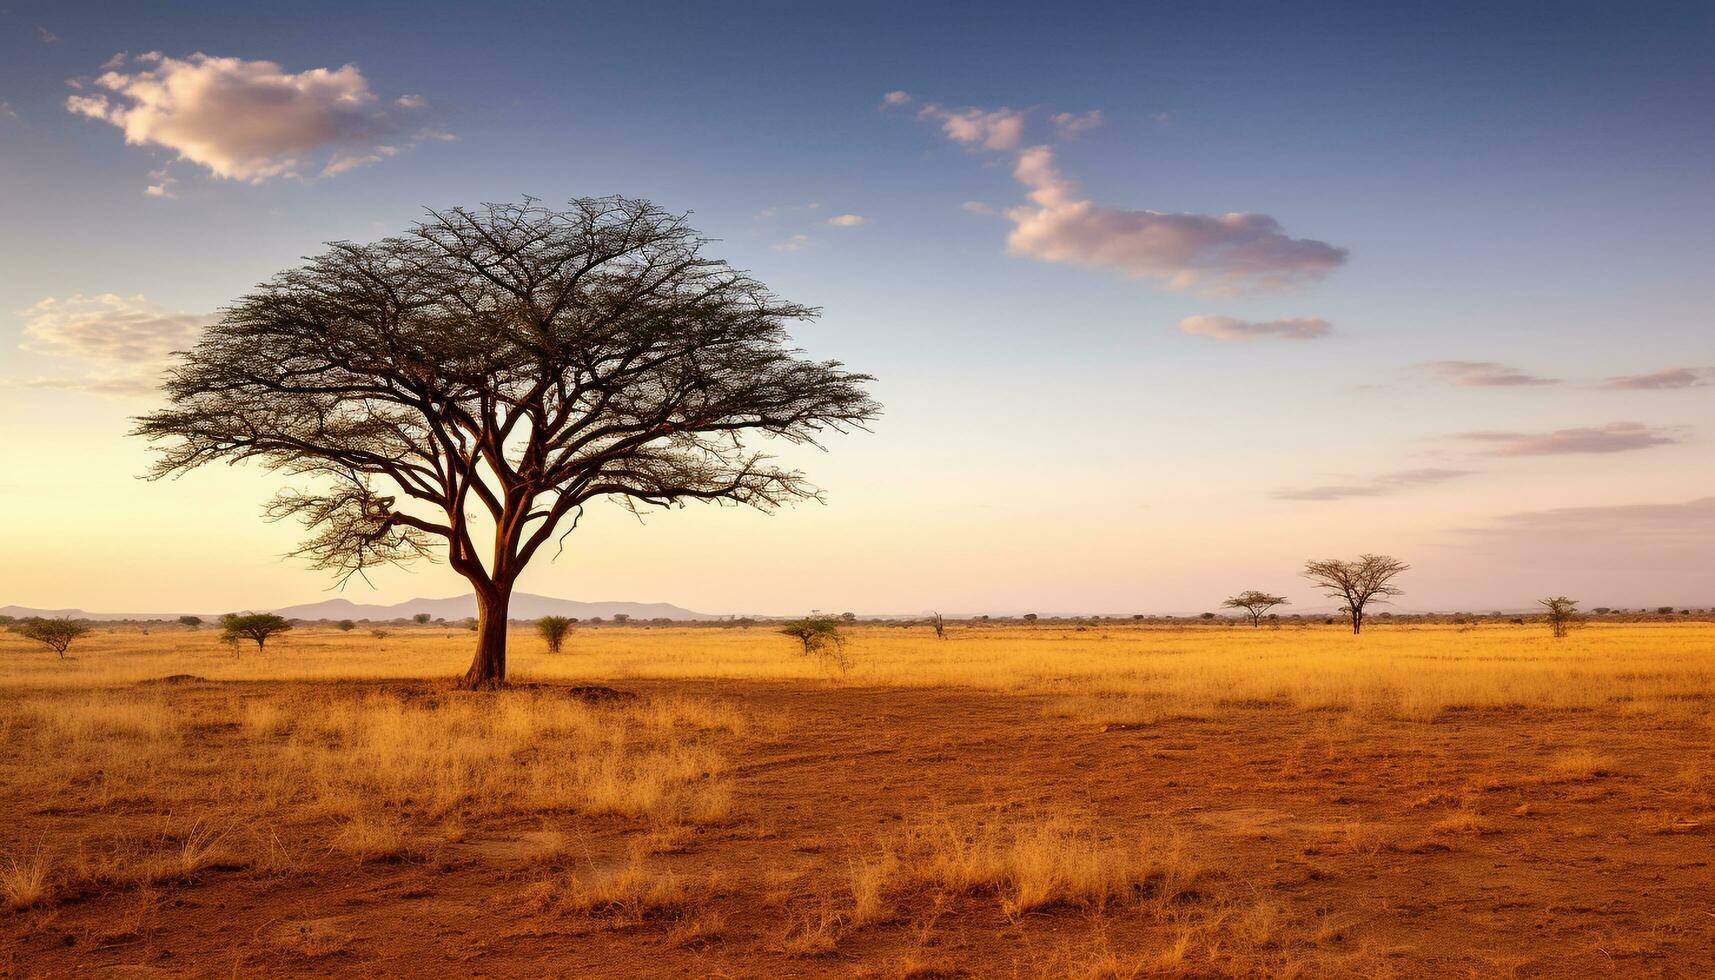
1357	622
488	668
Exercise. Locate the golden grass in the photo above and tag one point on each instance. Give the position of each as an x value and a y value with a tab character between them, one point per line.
1105	674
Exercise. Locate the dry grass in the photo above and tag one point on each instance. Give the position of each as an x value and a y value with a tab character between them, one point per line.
1110	673
301	768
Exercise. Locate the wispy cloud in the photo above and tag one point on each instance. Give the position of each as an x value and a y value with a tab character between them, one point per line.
1664	380
797	243
1384	485
1662	548
1225	253
1231	328
251	120
130	335
46	36
847	220
1069	124
1615	437
1482	374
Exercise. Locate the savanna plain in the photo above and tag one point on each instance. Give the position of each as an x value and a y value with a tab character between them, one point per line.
1100	800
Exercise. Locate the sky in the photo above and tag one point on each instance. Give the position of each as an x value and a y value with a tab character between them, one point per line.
1162	299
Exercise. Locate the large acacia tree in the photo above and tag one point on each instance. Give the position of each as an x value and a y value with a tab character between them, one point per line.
469	386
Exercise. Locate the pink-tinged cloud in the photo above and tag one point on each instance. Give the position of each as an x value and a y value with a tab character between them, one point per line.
1226	253
1231	328
1483	374
1665	380
251	120
1616	437
990	129
1387	484
1625	554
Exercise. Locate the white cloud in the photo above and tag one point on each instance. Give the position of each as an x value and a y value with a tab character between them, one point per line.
250	120
1233	252
1231	328
978	207
848	220
46	36
163	183
1068	124
108	326
6	111
897	97
130	333
796	243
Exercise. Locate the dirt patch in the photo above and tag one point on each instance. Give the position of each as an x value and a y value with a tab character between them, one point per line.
1313	842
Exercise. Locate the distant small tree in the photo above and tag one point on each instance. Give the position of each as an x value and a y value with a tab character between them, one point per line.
421	619
939	625
346	626
821	639
253	626
1255	604
378	634
1030	617
1359	582
1562	613
471	623
1664	610
1602	610
1206	616
56	633
192	621
847	617
554	630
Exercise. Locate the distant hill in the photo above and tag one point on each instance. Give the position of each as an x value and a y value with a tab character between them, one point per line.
22	612
524	606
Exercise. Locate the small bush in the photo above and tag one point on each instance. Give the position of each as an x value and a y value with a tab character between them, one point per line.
554	629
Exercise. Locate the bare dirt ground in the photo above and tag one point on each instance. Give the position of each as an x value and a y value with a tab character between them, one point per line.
1317	844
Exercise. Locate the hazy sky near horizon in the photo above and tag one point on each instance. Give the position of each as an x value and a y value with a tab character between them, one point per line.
1162	300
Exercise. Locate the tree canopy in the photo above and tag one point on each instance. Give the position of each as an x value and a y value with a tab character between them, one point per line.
1358	582
512	362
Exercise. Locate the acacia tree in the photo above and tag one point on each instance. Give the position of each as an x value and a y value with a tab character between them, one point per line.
1561	613
253	626
490	373
1358	582
57	634
1254	604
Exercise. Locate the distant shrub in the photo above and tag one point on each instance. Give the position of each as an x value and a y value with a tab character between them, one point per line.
471	623
253	626
1664	610
1030	617
378	634
554	630
820	637
346	626
421	619
192	621
57	634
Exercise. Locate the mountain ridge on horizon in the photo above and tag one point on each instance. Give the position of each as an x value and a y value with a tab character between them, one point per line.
524	605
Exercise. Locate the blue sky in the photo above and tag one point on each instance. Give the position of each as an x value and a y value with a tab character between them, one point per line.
1528	188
